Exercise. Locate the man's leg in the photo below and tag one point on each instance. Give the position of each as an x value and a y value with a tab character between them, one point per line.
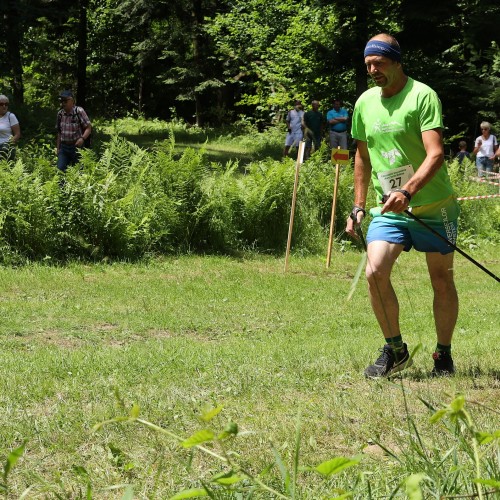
394	355
479	165
343	140
445	295
381	258
317	142
488	166
445	310
63	159
333	141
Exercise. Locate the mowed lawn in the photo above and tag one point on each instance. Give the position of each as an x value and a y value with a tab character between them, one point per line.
179	335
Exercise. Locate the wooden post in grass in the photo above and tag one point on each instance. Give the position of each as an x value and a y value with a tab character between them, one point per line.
300	160
340	156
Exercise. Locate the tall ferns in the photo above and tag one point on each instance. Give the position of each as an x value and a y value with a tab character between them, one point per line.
125	202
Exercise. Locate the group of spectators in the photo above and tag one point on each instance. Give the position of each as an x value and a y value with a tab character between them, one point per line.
310	125
72	125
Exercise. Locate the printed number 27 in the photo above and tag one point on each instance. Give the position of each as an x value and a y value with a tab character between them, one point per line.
395	183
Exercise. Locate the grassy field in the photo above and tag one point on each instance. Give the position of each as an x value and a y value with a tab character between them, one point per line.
234	143
178	336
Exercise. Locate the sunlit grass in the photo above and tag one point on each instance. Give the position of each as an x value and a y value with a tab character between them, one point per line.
177	335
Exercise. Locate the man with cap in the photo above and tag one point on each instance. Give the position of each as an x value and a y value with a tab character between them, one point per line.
398	128
73	129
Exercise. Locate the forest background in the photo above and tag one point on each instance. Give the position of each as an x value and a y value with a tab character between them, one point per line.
214	62
175	337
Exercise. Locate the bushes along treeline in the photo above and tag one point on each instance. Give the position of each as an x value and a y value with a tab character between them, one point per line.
125	202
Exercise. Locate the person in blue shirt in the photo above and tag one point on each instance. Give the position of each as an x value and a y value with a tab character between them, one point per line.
463	153
337	121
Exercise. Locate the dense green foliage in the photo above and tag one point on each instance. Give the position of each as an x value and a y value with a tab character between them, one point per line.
209	61
125	201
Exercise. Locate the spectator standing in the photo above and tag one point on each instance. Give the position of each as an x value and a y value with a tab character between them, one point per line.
485	147
463	153
313	123
337	119
10	131
294	125
398	128
73	129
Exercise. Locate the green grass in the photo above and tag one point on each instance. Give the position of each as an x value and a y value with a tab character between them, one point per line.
179	335
239	142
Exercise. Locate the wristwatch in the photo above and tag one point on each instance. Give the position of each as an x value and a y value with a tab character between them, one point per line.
404	191
354	213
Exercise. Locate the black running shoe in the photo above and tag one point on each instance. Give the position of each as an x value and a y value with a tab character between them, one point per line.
443	364
389	362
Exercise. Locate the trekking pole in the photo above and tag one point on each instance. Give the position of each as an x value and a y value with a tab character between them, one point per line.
446	240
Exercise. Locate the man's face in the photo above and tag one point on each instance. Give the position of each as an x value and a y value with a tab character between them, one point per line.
315	105
384	71
336	105
66	103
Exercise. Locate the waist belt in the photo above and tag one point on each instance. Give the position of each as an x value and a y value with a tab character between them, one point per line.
69	143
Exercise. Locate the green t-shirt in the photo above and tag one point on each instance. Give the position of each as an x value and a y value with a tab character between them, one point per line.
392	128
313	121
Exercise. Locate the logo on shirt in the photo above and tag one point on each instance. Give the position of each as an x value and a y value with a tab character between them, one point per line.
386	128
391	155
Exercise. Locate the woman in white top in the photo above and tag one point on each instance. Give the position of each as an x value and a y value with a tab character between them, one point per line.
485	147
10	132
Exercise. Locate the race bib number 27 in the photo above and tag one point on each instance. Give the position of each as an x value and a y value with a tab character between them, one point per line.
396	178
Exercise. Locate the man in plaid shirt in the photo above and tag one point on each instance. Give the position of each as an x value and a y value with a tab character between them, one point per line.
73	129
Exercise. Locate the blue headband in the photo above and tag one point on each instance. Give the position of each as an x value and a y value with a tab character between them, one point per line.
379	48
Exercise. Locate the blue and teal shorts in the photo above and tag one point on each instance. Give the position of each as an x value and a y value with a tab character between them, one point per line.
403	230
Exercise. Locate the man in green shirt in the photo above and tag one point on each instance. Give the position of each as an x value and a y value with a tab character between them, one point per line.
313	122
398	128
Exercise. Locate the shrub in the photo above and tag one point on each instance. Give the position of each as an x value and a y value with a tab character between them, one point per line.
125	201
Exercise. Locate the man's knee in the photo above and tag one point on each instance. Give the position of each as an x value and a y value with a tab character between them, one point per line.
442	281
376	276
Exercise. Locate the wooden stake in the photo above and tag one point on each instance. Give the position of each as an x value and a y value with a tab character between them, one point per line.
300	160
332	221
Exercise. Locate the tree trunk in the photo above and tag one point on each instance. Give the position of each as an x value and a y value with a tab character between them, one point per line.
81	73
197	20
13	41
361	39
140	97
